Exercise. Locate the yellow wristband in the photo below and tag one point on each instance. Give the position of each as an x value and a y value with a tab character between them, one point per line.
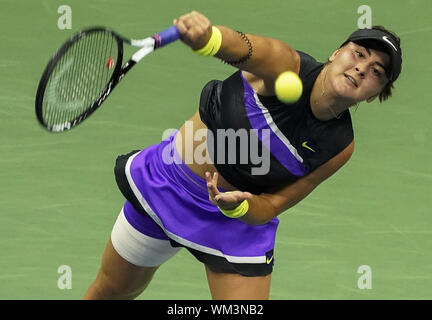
213	45
238	212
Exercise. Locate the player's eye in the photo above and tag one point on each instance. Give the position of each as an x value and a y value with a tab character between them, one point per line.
359	54
377	73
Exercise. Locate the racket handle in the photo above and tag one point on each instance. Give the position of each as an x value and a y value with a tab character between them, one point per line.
166	37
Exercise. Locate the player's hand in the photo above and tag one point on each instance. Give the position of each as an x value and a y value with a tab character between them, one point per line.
224	200
195	29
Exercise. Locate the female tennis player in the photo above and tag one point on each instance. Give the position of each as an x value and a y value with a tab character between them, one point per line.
224	211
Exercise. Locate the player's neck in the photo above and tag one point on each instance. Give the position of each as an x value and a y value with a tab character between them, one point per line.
324	104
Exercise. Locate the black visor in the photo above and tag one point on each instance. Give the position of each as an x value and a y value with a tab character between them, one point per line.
362	36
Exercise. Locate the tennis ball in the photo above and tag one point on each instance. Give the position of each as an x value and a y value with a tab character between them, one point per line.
288	87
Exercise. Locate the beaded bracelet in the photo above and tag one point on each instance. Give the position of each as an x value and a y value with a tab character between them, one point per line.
246	57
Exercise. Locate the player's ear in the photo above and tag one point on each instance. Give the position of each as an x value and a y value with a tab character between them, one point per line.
370	99
333	56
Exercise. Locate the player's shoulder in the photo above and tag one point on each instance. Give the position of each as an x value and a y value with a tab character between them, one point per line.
307	58
308	64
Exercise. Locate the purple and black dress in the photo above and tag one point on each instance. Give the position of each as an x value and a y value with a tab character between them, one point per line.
166	200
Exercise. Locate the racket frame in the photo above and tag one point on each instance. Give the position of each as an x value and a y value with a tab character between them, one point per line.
147	46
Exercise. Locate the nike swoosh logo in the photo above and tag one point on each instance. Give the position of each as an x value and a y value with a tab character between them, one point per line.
389	42
304	145
269	260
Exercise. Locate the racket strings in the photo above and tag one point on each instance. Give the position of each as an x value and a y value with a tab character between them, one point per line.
79	77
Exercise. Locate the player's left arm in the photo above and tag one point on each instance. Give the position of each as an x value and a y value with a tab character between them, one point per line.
266	206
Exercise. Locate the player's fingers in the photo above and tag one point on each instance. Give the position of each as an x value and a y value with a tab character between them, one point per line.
228	197
181	27
199	15
194	30
195	18
189	21
247	195
204	21
230	200
184	20
226	202
211	188
211	178
212	185
207	176
215	178
183	17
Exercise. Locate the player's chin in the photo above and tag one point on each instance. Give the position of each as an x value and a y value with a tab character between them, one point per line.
348	93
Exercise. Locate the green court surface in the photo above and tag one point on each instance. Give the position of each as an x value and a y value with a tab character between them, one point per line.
58	196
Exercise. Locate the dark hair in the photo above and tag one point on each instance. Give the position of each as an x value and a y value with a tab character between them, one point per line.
387	91
372	44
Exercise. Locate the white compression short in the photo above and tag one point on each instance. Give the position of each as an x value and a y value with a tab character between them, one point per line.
138	248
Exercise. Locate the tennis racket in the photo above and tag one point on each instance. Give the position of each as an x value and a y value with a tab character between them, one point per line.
84	71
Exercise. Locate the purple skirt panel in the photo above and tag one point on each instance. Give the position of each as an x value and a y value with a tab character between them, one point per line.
177	201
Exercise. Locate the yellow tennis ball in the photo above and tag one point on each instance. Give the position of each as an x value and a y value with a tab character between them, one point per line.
288	87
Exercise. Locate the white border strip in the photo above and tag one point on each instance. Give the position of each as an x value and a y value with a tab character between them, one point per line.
276	130
185	242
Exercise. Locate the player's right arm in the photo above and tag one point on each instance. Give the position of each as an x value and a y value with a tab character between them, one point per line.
269	57
266	206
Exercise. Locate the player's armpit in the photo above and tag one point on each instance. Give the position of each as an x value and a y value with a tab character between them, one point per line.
266	206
